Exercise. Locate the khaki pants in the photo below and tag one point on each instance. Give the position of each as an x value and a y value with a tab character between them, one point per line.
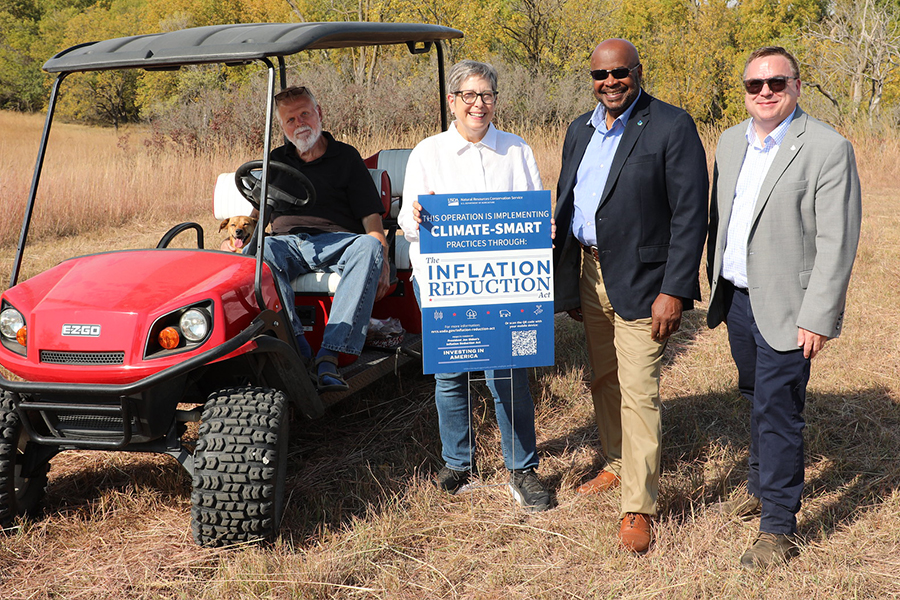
625	387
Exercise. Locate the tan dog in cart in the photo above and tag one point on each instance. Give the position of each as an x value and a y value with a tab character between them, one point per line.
240	231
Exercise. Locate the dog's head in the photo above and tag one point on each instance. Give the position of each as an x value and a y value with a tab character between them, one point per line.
240	229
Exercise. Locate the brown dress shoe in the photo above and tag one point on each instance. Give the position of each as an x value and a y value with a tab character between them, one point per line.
635	532
602	482
770	549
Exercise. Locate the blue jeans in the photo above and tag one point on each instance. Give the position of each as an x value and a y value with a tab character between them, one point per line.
512	404
775	384
357	258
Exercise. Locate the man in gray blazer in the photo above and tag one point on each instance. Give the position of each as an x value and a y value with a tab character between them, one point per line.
784	226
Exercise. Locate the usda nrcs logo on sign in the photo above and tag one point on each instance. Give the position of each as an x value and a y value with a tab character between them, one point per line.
452	201
73	330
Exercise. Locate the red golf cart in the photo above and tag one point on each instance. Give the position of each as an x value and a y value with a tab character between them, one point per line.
124	350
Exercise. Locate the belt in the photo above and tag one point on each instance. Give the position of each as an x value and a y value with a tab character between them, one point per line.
592	250
737	289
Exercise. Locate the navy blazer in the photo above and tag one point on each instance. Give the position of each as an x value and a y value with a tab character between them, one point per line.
652	218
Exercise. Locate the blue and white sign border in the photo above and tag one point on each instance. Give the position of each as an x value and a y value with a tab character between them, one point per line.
487	293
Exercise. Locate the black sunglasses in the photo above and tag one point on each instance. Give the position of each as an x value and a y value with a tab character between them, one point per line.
776	84
620	73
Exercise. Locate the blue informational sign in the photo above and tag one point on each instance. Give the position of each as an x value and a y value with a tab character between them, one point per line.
487	295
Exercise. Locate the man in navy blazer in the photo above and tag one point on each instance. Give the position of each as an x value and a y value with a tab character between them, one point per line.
784	226
631	221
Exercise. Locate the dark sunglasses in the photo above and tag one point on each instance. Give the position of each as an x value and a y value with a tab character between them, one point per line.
620	73
776	84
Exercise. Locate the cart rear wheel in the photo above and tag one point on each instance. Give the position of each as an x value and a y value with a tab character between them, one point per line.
19	495
240	464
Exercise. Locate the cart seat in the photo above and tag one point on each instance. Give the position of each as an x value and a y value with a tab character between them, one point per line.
314	292
394	163
229	202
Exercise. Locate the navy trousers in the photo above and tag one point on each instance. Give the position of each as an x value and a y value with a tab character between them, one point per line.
775	384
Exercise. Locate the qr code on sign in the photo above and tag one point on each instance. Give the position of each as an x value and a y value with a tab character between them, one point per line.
524	343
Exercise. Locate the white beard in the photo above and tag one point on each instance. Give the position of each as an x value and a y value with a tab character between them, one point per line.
306	137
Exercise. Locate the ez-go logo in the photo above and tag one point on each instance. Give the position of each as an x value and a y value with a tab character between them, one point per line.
81	330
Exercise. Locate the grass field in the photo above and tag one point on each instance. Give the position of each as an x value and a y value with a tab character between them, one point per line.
364	521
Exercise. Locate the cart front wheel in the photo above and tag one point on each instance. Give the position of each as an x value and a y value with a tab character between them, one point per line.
240	464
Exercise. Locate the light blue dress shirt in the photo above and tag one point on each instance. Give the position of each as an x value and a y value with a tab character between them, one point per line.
593	171
756	165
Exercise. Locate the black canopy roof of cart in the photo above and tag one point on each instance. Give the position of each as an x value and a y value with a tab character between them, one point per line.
239	43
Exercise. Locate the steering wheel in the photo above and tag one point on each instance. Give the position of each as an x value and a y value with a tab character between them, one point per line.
250	185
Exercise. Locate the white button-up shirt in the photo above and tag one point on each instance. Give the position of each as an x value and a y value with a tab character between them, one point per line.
446	164
756	165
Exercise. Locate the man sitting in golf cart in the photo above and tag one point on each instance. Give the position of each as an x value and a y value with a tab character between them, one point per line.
340	232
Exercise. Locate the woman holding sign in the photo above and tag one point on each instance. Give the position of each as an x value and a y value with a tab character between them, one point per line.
474	156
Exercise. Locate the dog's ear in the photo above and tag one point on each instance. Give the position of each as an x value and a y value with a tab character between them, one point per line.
253	220
224	224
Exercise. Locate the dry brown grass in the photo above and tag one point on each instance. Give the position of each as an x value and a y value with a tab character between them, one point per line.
95	180
363	520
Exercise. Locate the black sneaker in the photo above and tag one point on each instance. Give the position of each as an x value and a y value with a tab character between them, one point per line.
451	480
528	490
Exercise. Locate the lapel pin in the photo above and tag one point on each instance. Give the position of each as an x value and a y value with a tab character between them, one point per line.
793	148
640	122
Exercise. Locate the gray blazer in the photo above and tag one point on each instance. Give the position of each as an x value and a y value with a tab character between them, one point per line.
804	234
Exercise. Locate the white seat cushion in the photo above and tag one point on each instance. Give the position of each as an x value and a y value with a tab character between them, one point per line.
318	283
227	200
401	251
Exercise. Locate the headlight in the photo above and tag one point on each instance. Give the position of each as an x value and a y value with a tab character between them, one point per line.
180	330
11	322
194	324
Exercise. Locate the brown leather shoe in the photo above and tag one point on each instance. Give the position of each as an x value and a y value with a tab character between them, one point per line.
635	532
602	482
770	549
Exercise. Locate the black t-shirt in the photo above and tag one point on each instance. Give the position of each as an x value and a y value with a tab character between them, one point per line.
345	192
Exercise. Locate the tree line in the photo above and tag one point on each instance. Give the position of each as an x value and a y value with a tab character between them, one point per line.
693	53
